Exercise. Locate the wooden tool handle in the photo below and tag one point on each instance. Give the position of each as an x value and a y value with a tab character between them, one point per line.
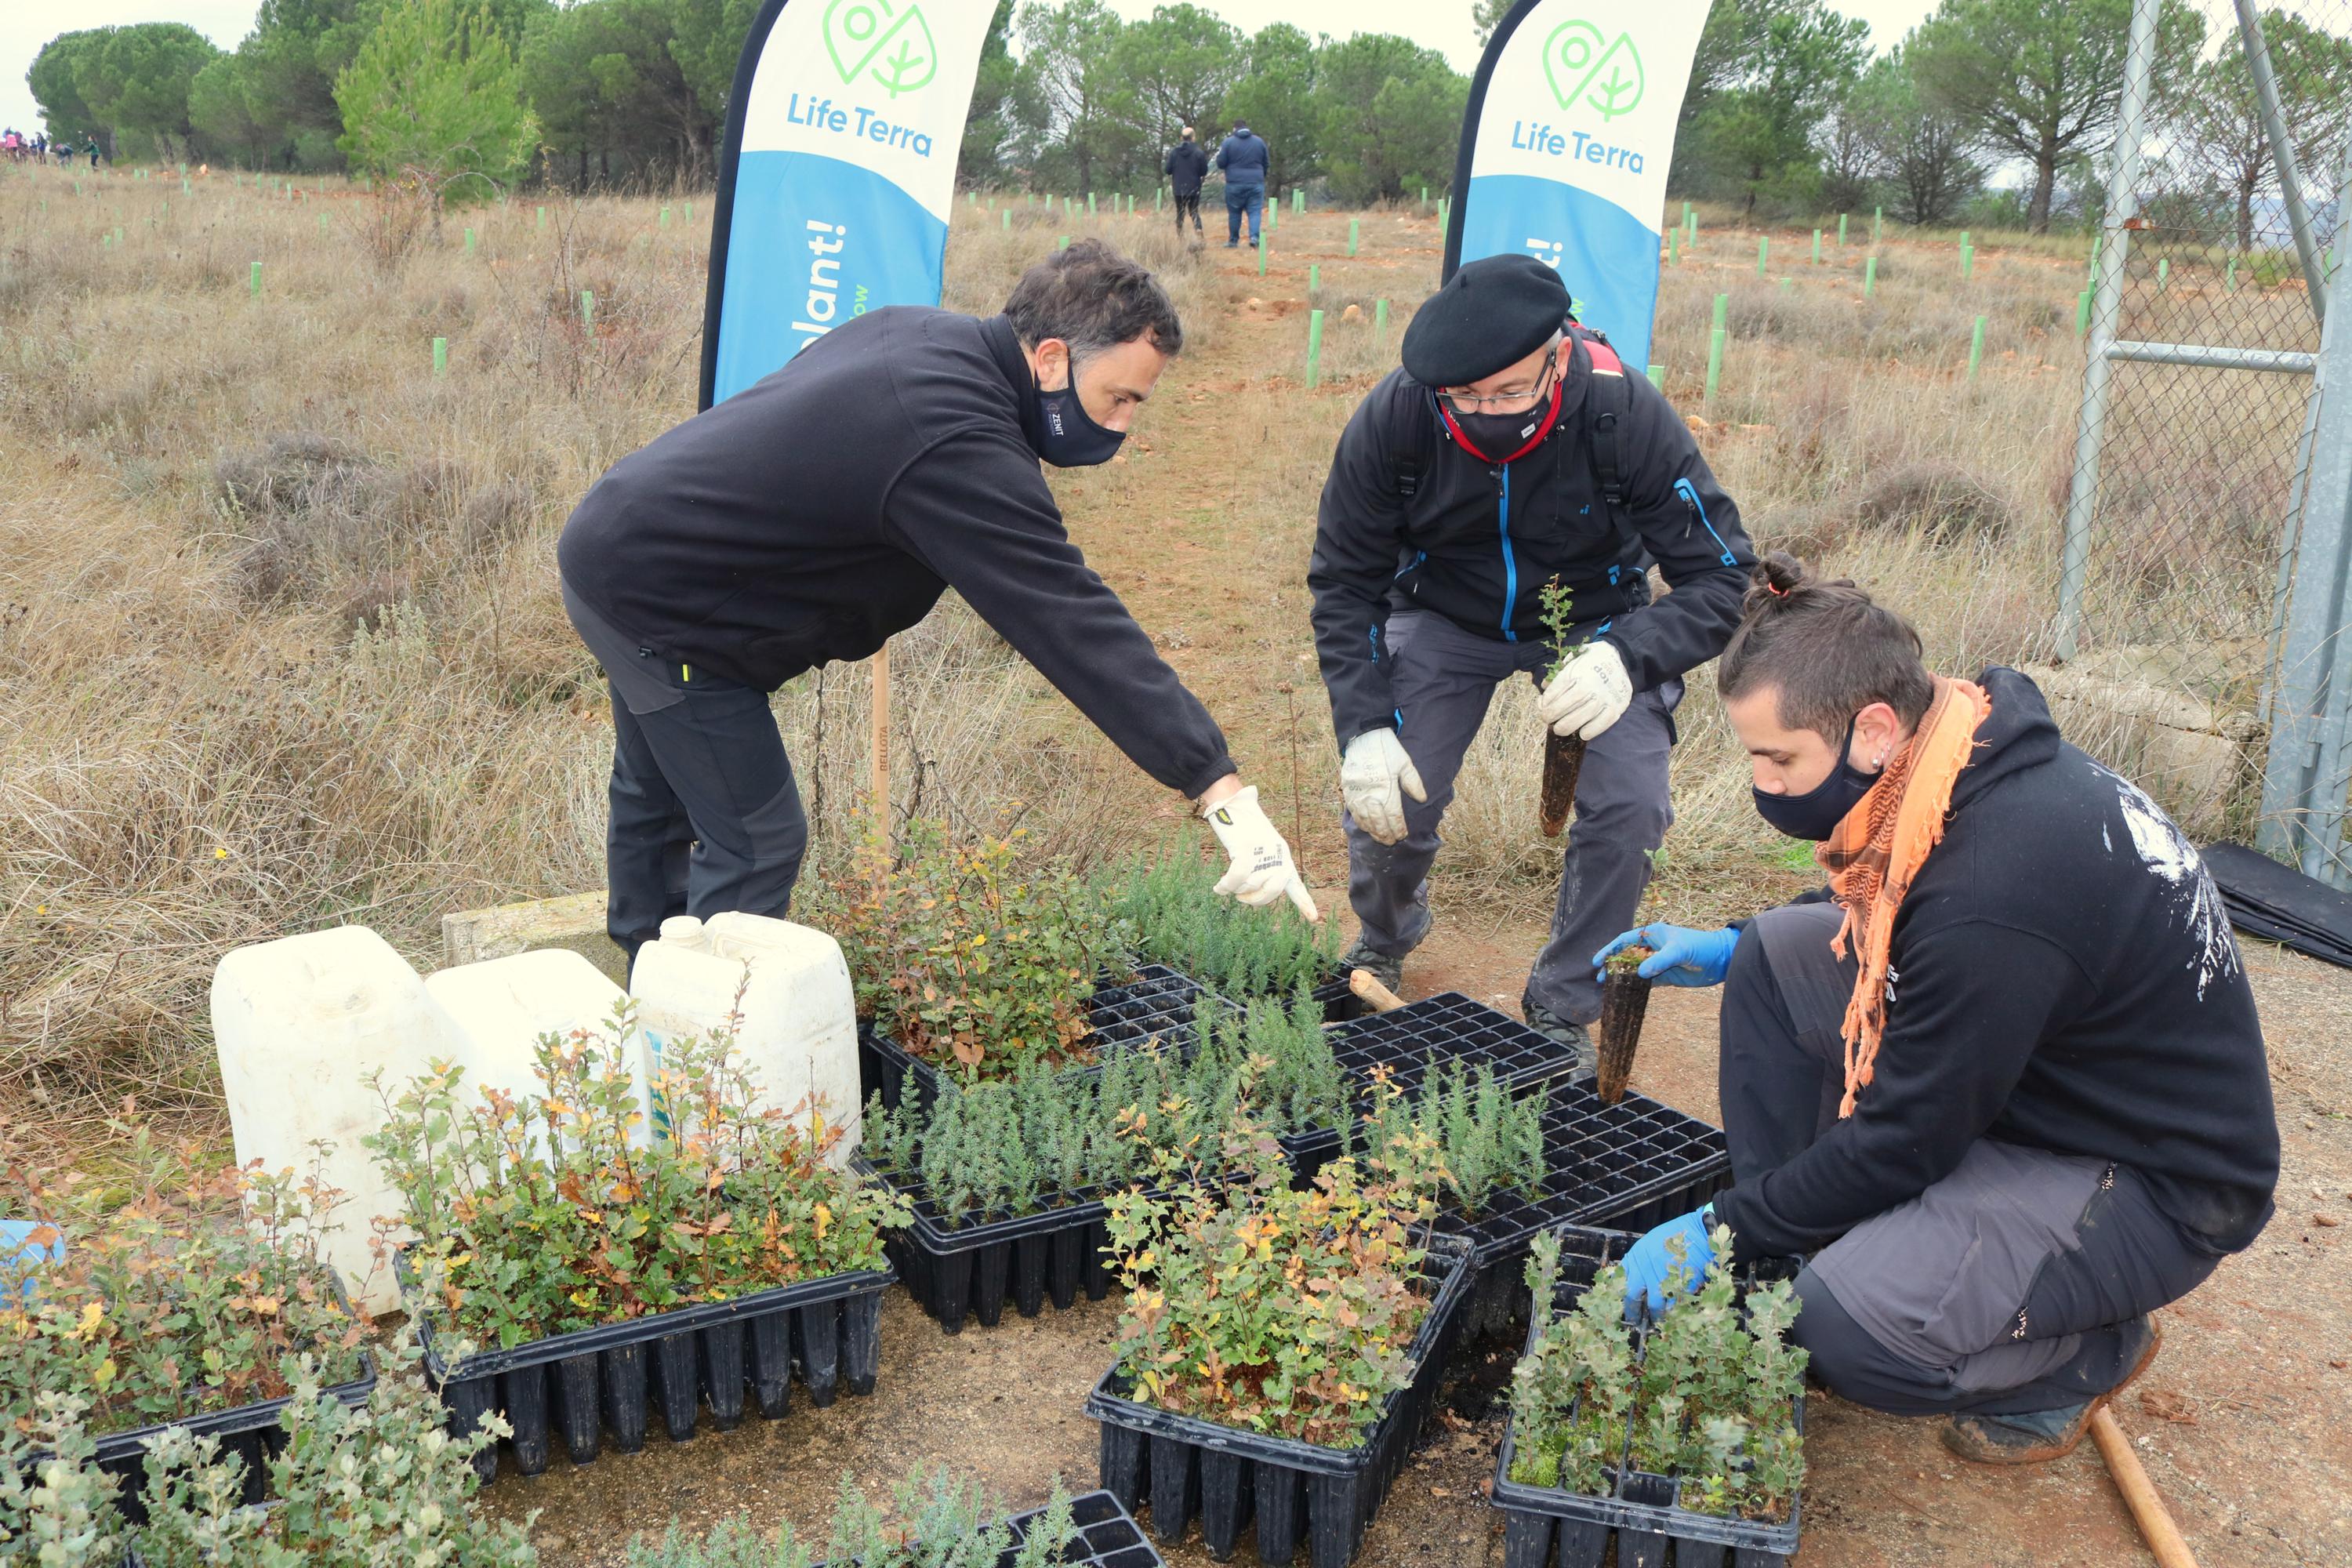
2139	1493
1378	996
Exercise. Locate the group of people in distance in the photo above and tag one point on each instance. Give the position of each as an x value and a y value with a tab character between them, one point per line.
1246	161
2000	1083
17	148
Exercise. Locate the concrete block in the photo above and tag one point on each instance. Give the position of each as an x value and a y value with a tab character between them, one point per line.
575	921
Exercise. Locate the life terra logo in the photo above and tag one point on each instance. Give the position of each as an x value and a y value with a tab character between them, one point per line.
1588	69
884	41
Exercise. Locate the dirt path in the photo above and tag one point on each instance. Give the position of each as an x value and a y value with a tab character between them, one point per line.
1204	527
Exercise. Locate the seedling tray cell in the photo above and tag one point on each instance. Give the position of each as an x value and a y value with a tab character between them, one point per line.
1158	1004
973	1268
722	1357
1297	1495
1446	1027
248	1432
1633	1164
1547	1527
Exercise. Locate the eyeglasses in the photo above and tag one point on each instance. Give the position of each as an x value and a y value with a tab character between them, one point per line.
1505	402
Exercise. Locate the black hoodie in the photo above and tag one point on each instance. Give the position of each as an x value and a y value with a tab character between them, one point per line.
2063	977
828	506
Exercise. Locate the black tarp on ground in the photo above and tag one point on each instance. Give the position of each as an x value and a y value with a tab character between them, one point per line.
2281	904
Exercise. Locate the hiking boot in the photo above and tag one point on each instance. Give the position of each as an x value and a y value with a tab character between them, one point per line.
1388	970
1575	1037
2038	1437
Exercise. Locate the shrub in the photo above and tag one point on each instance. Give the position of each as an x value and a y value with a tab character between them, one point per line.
1707	1394
174	1303
362	1488
1485	1141
539	1216
934	1521
960	954
1002	1148
1257	1306
1181	920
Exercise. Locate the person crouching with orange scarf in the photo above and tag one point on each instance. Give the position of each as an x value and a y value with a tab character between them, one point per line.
2001	1083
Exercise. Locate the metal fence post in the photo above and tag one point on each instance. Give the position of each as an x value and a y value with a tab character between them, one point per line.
2298	216
2303	783
2082	493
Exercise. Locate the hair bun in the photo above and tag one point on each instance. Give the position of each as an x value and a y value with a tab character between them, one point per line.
1776	579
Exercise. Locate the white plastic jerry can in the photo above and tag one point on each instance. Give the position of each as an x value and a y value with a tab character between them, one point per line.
798	1039
299	1024
501	1007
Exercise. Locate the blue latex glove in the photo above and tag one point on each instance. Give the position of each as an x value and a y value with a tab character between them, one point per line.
17	1248
1682	956
1648	1261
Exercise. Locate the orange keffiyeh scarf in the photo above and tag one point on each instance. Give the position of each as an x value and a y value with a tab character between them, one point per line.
1879	847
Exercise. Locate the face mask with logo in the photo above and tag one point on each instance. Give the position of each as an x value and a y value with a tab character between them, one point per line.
1816	813
1066	435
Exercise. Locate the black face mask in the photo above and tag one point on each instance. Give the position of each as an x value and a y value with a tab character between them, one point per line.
1816	813
1497	435
1067	436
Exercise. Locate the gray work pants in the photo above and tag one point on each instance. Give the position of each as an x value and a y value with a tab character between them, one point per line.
2015	1284
705	814
1443	679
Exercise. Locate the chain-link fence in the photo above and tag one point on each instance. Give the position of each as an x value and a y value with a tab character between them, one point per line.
2195	441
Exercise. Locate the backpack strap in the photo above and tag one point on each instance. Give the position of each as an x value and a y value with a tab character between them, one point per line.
1608	397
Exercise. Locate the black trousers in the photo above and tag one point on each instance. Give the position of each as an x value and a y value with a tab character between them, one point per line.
2017	1283
1188	201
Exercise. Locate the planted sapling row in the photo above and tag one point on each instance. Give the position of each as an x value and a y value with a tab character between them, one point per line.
1178	917
1624	1003
968	957
202	1294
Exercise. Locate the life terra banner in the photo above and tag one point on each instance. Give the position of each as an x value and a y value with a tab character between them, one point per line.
1565	147
838	175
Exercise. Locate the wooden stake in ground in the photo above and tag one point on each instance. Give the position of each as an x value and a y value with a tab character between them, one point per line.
2147	1504
882	739
1378	997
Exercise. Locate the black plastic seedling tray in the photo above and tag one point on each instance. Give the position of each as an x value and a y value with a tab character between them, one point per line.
1446	1027
1157	1004
955	1270
1546	1527
247	1432
1298	1494
1633	1164
583	1384
1340	1003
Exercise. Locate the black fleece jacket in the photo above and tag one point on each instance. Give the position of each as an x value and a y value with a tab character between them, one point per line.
2063	977
1476	541
814	514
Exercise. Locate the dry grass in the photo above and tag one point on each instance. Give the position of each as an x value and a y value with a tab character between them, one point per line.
281	644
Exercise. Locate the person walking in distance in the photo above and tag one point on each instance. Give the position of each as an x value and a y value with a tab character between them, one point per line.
1245	159
1512	450
1188	165
814	514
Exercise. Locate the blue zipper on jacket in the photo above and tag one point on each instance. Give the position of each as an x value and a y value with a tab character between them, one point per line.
1510	562
1683	489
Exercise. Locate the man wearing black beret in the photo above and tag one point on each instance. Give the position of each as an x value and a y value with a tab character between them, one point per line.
1511	450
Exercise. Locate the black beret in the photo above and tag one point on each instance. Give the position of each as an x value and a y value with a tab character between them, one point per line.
1492	312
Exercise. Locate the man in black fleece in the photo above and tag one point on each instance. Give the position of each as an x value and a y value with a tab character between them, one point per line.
2068	1122
812	515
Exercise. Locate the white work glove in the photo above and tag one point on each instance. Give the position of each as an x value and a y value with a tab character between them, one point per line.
1371	775
1590	693
1262	869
